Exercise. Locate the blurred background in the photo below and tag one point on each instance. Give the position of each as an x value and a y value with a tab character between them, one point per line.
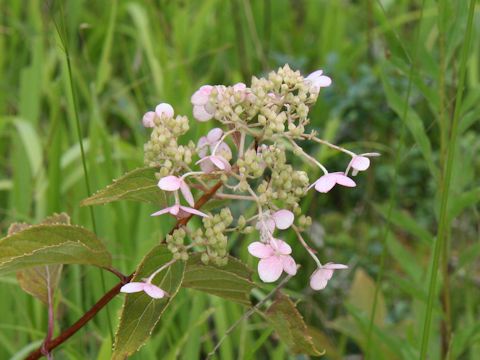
396	67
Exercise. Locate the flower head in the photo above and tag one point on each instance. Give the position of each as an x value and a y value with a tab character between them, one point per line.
179	211
173	183
150	289
326	182
274	259
317	80
320	277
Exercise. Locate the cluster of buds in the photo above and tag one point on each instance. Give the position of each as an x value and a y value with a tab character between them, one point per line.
249	153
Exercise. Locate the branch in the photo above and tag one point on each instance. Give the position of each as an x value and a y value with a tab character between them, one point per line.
100	304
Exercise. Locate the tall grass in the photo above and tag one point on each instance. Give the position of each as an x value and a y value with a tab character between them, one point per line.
406	83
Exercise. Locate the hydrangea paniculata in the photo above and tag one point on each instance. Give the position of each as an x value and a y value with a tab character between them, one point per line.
259	130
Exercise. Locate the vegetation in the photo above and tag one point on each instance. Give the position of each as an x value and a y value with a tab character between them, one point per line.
405	81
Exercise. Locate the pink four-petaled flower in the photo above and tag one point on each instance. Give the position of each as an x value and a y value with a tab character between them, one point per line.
211	142
326	182
274	259
162	109
151	290
317	80
322	275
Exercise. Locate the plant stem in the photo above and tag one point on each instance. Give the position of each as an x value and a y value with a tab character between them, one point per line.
443	223
394	187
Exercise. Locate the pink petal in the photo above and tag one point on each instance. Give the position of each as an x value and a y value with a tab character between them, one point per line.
220	162
323	81
270	269
319	279
289	265
325	183
332	266
193	211
224	149
260	250
342	179
360	163
207	166
202	95
170	183
163	211
149	119
283	219
239	87
164	109
214	135
281	246
202	146
174	210
201	114
314	75
154	291
270	224
132	287
187	194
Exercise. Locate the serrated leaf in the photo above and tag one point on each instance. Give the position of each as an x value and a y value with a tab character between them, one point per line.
231	282
38	281
289	325
137	185
51	244
140	312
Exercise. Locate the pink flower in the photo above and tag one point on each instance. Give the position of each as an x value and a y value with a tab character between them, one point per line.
149	119
326	182
164	109
281	219
179	211
274	259
320	277
317	80
209	142
173	183
217	160
150	289
360	163
203	110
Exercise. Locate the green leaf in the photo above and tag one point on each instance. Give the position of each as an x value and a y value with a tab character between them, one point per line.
413	122
231	282
38	281
459	203
140	312
289	325
137	185
51	244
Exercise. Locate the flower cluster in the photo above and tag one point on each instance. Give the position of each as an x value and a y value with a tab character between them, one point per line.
260	128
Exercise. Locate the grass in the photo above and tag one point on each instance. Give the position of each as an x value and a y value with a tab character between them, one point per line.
127	56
